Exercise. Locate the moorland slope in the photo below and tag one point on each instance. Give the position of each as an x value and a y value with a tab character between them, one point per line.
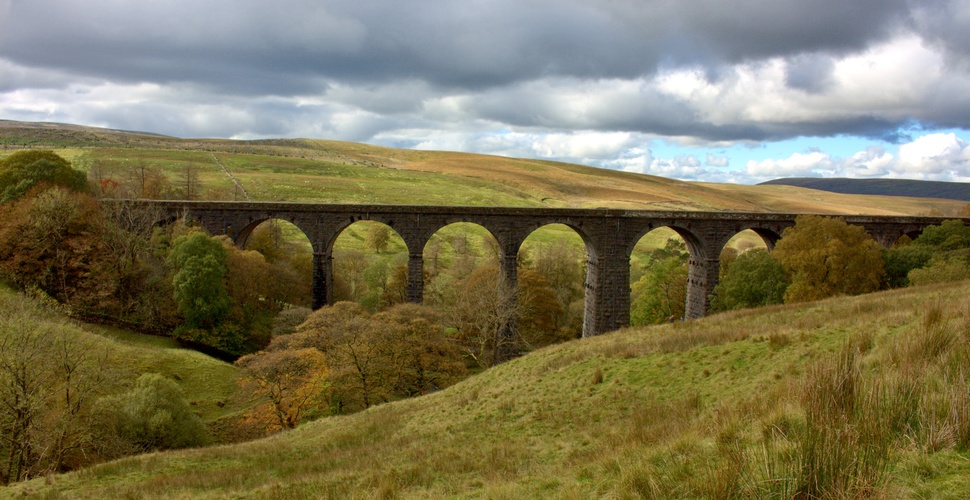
341	172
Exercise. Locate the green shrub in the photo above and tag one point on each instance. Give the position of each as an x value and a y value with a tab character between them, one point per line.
155	416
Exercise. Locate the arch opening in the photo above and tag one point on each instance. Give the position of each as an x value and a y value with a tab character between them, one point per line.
552	285
740	243
464	281
369	265
278	257
659	265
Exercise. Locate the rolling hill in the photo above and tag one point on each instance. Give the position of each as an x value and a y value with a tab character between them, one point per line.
882	187
331	171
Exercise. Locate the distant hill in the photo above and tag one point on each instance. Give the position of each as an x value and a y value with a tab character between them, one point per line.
324	171
883	187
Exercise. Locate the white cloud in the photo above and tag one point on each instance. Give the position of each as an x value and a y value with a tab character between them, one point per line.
873	162
717	161
796	165
935	156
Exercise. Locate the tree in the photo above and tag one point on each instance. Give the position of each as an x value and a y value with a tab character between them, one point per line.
144	181
190	181
23	170
424	359
539	311
563	267
661	293
824	257
949	235
900	260
484	310
292	382
753	279
940	270
378	236
400	352
55	241
199	264
49	374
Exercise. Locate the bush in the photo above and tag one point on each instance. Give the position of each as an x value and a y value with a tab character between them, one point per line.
753	279
901	260
939	271
155	416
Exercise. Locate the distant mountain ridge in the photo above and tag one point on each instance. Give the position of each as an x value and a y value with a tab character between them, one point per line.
884	187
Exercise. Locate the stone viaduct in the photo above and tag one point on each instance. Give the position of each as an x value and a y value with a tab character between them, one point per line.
609	235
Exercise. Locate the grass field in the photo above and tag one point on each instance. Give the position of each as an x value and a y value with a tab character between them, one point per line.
709	408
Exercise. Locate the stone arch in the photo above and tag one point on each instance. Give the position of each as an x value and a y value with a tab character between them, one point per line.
288	251
242	235
746	239
769	236
452	248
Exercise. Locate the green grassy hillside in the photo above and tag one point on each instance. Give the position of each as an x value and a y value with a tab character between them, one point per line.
331	171
720	407
207	383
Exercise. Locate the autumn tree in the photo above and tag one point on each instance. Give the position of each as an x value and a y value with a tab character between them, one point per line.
482	315
753	279
49	376
423	357
540	312
290	263
291	383
378	237
23	170
824	257
142	180
55	242
563	266
399	352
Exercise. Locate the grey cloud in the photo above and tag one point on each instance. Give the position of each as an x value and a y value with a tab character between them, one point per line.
355	69
945	23
255	46
810	72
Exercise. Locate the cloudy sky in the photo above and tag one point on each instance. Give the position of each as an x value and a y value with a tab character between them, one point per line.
714	90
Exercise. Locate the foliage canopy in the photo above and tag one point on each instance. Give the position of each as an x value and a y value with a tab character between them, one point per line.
23	170
824	257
